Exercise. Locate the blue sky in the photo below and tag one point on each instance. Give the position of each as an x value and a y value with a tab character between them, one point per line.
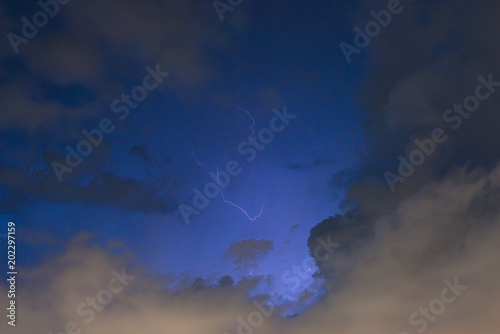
202	87
265	64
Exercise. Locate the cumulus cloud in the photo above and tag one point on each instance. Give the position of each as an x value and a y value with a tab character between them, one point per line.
447	230
397	249
442	222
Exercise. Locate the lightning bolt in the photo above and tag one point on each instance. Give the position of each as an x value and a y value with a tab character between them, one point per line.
250	116
195	158
218	179
235	205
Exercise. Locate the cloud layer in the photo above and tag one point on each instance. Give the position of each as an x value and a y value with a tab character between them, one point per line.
447	230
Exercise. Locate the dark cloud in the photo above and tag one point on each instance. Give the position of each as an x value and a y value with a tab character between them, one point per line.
340	181
64	80
246	253
226	281
141	151
294	227
427	59
80	48
435	63
102	189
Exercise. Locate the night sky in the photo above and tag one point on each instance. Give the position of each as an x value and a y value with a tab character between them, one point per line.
322	166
